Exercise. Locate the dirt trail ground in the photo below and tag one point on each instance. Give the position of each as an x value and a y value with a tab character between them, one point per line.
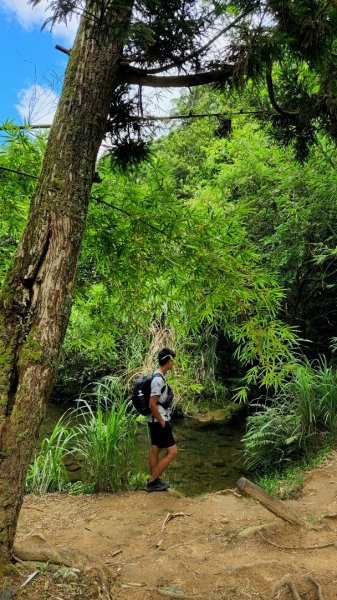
220	547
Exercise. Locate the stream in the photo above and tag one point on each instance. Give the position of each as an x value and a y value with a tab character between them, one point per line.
210	456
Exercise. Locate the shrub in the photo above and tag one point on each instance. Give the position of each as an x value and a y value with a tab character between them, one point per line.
299	419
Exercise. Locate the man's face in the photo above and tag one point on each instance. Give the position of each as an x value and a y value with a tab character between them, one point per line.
170	364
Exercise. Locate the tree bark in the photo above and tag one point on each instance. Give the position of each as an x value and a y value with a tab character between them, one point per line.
35	300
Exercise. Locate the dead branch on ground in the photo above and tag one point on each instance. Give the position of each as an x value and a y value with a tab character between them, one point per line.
170	516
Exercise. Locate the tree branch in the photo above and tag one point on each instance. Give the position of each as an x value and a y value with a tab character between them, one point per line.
135	76
18	172
137	118
202	49
271	94
228	115
28	127
62	49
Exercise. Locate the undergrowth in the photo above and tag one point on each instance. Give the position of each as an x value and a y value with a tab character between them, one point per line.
99	434
296	423
288	483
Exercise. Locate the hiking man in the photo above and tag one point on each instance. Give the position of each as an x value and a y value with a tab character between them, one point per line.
159	422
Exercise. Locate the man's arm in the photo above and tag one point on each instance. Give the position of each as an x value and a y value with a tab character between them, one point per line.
155	411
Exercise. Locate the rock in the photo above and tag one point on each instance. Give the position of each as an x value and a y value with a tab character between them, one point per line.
219	415
65	574
174	591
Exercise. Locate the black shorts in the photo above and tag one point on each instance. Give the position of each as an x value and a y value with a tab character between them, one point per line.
161	437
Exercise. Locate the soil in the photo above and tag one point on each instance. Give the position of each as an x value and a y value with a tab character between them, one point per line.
142	546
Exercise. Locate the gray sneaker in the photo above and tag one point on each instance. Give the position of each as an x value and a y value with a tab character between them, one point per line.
156	486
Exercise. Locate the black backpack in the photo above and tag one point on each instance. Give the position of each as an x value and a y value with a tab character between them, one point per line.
141	392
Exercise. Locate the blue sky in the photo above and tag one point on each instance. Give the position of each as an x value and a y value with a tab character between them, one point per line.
31	68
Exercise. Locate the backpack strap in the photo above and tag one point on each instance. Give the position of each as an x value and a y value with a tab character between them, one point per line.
162	389
163	378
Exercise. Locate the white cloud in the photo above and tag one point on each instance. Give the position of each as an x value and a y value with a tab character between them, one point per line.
37	104
28	16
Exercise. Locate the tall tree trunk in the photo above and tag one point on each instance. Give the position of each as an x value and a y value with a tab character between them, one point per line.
35	300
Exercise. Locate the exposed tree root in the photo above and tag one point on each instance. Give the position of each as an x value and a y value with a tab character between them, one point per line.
286	580
253	565
318	586
40	551
37	549
329	545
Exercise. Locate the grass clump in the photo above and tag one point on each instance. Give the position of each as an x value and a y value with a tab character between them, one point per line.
48	473
105	442
100	435
289	482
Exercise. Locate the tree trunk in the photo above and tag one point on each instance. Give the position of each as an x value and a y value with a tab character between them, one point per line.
35	300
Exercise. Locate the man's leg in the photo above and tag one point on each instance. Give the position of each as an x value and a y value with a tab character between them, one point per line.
160	465
153	458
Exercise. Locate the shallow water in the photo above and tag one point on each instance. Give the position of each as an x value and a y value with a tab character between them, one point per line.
210	456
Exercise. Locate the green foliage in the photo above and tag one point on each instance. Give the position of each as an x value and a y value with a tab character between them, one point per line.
188	243
289	482
182	259
273	436
48	473
18	152
299	418
100	435
290	217
286	484
105	437
292	47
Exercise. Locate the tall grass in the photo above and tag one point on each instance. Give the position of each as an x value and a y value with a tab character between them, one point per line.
100	435
301	418
48	473
326	380
105	444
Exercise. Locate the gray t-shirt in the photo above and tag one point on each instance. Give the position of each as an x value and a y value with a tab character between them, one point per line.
157	384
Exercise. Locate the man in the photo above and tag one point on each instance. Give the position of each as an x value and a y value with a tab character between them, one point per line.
159	423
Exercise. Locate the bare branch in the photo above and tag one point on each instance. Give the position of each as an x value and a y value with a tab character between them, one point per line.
229	115
62	49
18	172
135	76
28	127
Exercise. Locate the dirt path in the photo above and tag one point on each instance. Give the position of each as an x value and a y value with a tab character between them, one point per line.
221	546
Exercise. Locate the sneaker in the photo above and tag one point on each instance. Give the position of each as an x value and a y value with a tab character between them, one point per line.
163	482
156	486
